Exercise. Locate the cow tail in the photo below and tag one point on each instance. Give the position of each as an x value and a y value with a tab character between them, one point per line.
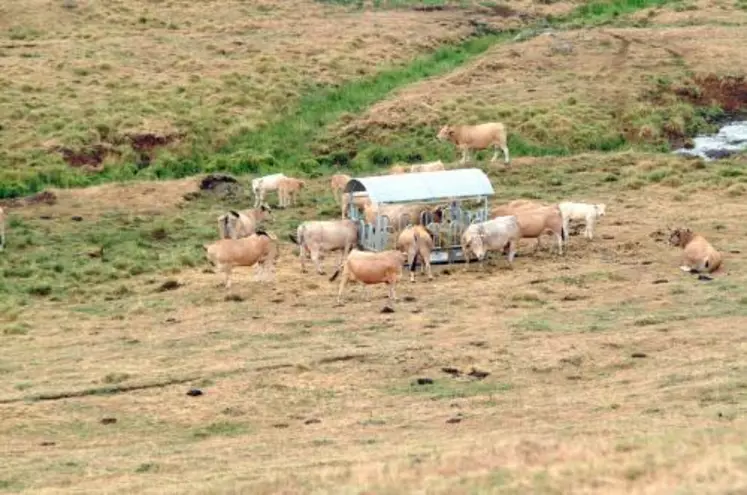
334	275
417	252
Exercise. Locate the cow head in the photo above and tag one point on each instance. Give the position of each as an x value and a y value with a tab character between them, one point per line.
446	133
265	212
601	208
680	237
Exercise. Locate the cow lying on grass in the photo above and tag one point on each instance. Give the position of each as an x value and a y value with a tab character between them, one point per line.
236	224
428	167
699	255
417	241
498	234
477	137
369	268
256	249
316	237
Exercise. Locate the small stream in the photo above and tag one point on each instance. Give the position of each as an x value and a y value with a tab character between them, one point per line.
730	139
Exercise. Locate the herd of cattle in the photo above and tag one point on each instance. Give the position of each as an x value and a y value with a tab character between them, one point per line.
244	243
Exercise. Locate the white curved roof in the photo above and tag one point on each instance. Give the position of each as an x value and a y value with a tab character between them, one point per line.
424	186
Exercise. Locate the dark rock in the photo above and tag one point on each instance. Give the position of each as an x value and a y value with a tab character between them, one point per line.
387	309
647	262
47	444
194	392
718	154
312	421
704	278
660	281
454	420
108	421
280	425
233	298
638	355
76	218
171	320
168	285
409	299
478	343
608	236
45	217
451	371
424	381
478	374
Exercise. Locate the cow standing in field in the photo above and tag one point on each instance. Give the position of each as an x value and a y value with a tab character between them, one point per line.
2	229
384	267
236	224
477	137
337	184
319	236
699	256
589	213
288	190
256	249
498	234
417	241
262	185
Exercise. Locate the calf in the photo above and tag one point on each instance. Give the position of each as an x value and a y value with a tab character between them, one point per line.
498	234
589	213
258	248
369	268
417	241
698	254
319	236
288	190
359	200
477	137
262	185
337	184
236	224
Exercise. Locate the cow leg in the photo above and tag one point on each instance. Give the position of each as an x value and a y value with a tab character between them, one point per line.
566	226
495	153
506	159
511	252
539	243
465	153
302	256
343	282
590	229
560	242
315	255
411	257
227	277
427	262
392	291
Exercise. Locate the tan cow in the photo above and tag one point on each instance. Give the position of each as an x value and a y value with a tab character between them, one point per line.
236	224
428	167
397	169
369	268
534	222
513	206
399	216
699	255
2	228
337	184
477	137
319	236
359	200
417	241
288	189
256	249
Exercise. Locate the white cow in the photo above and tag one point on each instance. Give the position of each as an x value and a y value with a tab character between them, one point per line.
589	213
494	235
261	185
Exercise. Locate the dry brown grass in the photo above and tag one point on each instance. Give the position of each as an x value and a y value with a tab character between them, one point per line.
597	92
566	407
208	69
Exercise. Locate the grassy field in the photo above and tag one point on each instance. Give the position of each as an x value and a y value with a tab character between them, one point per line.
605	370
